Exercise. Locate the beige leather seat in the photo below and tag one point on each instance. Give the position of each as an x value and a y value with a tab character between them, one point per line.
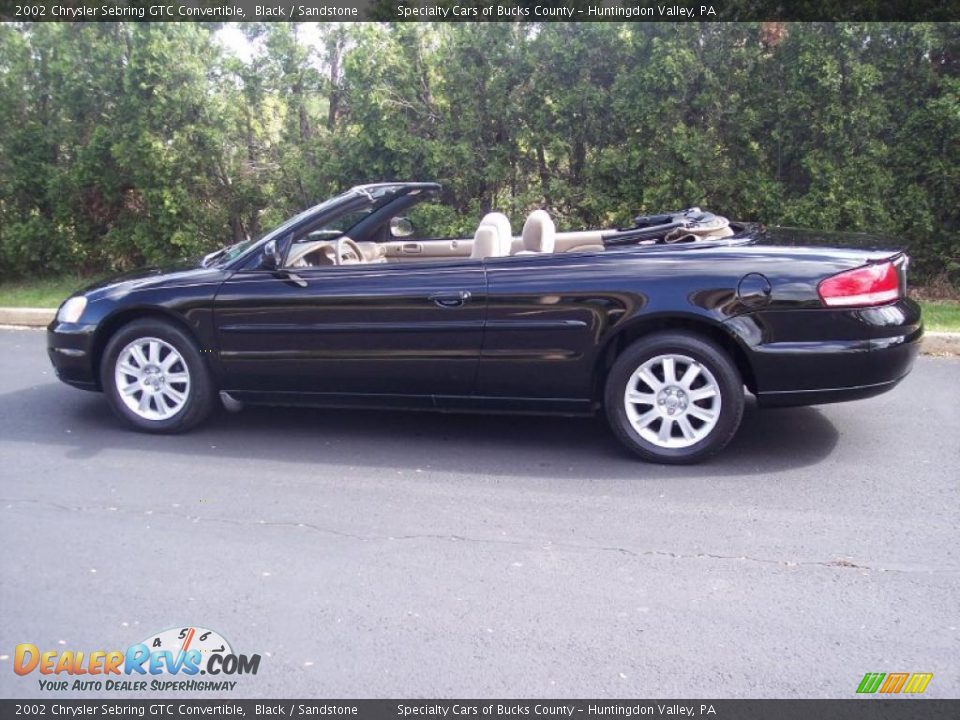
493	238
539	234
488	243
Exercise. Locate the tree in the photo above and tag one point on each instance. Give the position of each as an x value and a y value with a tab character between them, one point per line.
128	143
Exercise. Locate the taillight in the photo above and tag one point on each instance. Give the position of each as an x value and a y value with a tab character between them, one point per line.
868	285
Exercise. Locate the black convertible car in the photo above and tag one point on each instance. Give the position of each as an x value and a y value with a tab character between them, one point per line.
662	324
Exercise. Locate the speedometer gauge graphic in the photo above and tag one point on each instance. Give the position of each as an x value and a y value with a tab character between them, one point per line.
179	640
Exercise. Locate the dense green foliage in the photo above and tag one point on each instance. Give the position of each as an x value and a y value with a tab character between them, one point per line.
128	143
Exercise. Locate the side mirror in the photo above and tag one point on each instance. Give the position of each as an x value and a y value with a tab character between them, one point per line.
274	253
271	256
401	227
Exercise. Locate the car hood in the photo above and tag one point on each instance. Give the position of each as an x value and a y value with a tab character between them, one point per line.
148	278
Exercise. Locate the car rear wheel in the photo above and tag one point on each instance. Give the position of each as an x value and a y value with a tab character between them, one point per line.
674	397
154	377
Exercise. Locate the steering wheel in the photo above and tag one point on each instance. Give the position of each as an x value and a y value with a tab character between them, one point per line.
344	247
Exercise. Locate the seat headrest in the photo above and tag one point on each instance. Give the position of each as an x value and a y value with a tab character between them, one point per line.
496	245
539	233
501	222
488	243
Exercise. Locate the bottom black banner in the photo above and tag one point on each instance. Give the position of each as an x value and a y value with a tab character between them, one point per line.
854	709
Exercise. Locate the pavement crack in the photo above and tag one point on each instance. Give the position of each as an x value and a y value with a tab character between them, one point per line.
834	564
837	563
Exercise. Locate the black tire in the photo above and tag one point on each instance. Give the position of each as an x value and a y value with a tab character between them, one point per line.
199	392
722	375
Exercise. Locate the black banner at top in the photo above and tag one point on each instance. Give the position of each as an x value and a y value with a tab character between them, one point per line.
476	10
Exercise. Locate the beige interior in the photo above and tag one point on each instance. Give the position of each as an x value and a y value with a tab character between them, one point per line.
539	234
493	238
488	242
322	252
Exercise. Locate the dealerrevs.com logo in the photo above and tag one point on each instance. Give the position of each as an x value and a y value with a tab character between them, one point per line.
167	661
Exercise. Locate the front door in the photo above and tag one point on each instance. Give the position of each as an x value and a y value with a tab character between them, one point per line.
380	329
545	315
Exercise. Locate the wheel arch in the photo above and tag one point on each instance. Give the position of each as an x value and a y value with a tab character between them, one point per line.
696	325
109	326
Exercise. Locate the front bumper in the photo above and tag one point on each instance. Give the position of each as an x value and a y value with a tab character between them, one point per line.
70	348
868	352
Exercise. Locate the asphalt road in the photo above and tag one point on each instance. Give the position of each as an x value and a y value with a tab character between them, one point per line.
368	554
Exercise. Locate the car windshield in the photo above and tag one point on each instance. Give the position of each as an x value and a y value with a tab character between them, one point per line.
228	253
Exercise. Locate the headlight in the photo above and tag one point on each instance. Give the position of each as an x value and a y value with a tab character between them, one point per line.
72	309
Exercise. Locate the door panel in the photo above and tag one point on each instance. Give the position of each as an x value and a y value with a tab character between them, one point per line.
419	250
380	329
545	317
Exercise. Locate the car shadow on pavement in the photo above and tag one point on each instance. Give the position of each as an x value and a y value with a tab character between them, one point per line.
768	441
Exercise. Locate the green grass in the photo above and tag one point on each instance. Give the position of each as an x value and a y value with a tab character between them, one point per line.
941	315
938	315
45	293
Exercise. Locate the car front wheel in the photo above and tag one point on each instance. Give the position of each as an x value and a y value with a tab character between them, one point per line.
154	377
674	397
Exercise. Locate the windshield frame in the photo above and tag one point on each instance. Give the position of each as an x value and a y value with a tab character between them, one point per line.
365	191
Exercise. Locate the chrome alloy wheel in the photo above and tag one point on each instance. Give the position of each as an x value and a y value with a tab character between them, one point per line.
152	378
672	401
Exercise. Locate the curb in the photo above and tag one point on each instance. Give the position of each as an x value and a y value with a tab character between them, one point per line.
934	343
28	317
941	343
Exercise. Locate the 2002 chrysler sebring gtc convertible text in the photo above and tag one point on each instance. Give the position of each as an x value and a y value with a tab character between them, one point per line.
347	304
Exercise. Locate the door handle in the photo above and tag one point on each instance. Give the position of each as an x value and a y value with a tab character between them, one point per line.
451	299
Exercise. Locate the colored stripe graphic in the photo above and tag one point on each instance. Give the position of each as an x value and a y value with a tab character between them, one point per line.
870	682
894	682
918	682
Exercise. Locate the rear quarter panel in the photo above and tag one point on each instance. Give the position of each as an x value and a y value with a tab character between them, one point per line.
552	318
